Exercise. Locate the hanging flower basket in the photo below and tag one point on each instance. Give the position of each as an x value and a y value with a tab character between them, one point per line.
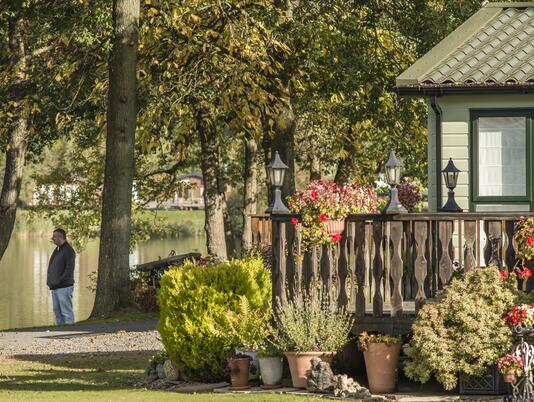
509	376
334	227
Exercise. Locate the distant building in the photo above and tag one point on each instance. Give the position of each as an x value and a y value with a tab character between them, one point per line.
191	197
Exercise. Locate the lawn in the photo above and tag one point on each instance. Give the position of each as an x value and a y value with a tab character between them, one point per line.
108	378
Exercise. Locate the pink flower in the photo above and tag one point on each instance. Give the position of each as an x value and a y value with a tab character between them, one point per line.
504	274
294	221
530	241
323	217
336	237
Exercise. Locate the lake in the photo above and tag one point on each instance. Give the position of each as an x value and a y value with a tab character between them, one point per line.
25	300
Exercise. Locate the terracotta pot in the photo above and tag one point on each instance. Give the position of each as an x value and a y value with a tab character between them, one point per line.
509	376
239	368
271	369
381	361
333	227
300	365
253	371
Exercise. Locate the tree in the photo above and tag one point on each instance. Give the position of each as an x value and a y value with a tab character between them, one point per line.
112	289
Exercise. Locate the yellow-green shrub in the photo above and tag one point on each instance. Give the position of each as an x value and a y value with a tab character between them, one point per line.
463	330
194	302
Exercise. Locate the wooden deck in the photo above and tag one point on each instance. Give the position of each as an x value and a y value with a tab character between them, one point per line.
387	266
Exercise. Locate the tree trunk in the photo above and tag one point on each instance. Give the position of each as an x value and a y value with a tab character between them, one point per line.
345	166
250	190
214	200
315	166
113	264
229	236
18	135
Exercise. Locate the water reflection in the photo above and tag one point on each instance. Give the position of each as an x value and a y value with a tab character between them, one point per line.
25	300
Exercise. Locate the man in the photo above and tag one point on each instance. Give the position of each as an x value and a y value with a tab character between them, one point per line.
60	277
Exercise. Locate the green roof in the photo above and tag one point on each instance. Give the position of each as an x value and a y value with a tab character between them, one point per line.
493	48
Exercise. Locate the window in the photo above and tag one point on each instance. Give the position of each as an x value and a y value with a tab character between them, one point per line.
500	156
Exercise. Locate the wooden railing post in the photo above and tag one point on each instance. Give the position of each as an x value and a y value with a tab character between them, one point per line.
326	270
445	229
421	263
470	235
278	271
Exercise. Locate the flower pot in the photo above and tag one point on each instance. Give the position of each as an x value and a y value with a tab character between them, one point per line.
239	368
271	369
381	361
300	365
333	227
509	376
254	371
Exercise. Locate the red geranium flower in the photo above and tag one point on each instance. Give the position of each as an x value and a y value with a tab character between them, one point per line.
313	194
336	237
504	274
294	221
530	241
525	273
323	217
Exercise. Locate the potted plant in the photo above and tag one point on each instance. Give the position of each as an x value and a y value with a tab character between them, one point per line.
323	207
511	367
271	367
239	371
308	326
381	354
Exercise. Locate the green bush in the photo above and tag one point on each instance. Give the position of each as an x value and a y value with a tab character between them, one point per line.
194	304
463	330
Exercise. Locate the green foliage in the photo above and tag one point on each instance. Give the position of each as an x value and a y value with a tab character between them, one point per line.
311	322
364	339
194	304
463	330
524	236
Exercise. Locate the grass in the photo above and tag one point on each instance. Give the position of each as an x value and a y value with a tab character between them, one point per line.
98	377
126	315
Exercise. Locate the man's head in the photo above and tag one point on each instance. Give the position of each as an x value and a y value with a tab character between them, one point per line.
59	237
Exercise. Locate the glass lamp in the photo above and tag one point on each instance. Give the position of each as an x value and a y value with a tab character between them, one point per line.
450	176
393	168
277	171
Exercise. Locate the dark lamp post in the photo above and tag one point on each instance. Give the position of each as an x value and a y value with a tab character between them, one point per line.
277	171
450	176
393	175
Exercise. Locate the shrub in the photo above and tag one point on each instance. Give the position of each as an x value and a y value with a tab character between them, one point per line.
311	322
463	330
195	300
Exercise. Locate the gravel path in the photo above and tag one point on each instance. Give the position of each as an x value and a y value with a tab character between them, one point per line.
128	336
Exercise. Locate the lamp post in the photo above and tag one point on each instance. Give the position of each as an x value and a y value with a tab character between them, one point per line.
277	170
393	175
450	176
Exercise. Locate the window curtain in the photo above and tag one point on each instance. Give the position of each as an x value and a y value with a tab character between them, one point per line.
502	164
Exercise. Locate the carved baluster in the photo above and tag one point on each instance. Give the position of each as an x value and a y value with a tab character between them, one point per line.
351	268
396	233
421	263
342	269
470	233
378	268
511	249
445	229
492	250
361	267
326	267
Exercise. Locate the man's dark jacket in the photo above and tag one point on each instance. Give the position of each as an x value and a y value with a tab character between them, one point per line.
61	267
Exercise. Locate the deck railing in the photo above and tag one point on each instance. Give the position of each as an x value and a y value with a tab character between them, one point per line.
387	265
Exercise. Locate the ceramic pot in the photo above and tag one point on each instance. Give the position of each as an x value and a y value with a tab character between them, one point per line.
509	376
254	369
381	362
271	369
300	365
334	226
239	367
